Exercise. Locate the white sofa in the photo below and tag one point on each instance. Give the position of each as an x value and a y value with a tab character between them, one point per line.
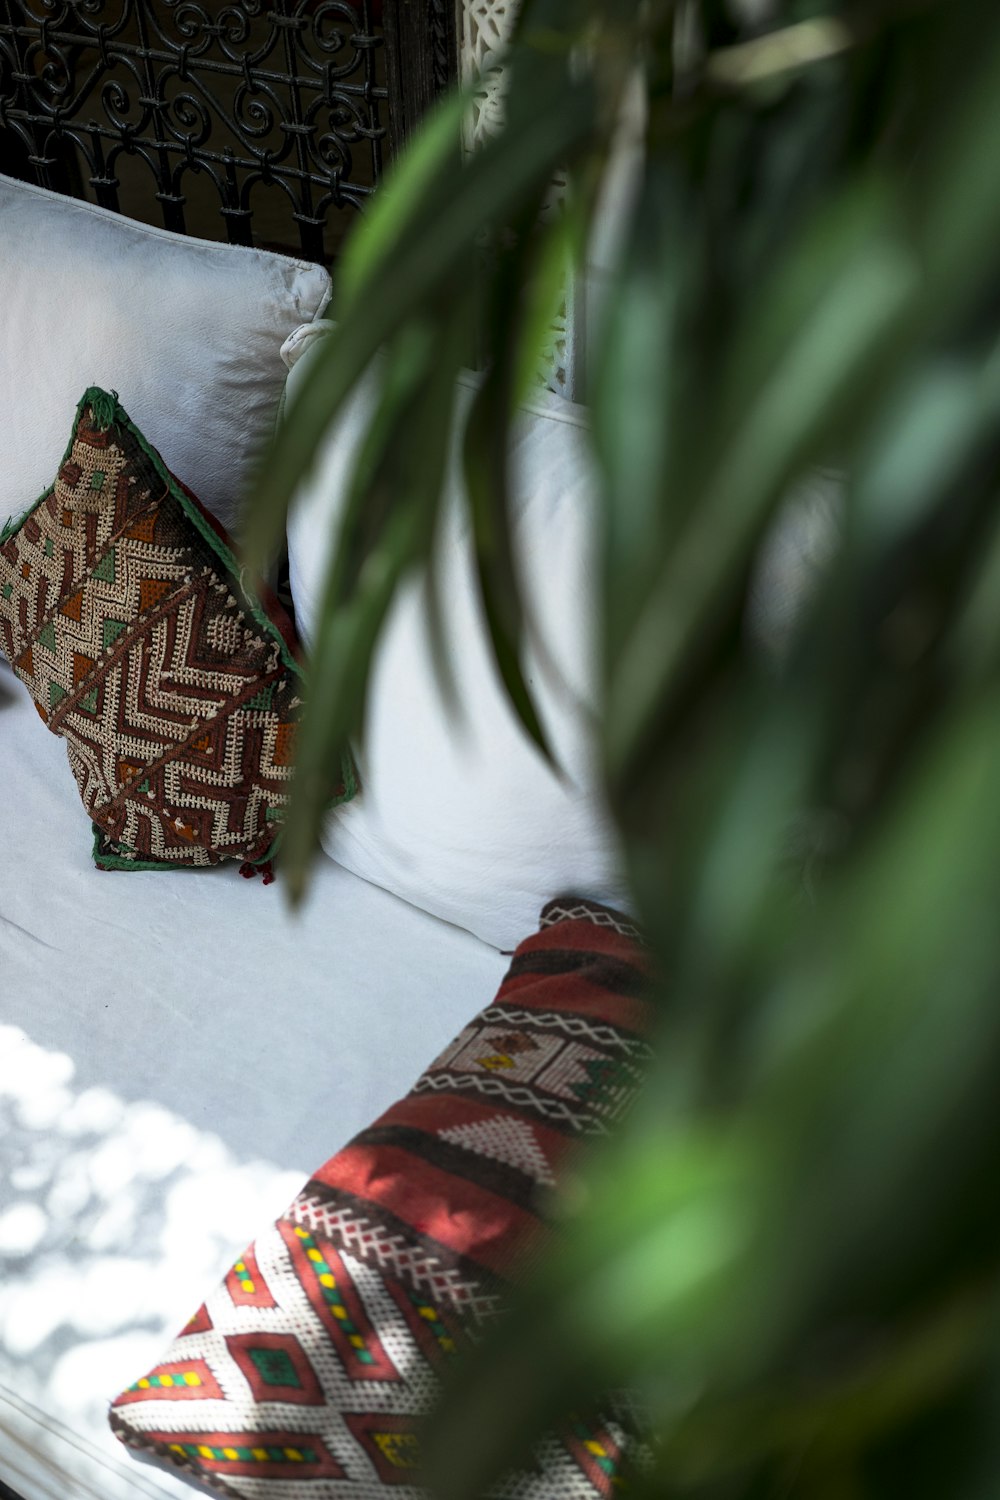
177	1050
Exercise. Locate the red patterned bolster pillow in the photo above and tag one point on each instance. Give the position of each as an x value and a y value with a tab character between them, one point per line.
174	686
319	1355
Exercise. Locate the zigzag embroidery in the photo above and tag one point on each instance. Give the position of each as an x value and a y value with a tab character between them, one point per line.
523	1098
410	1263
584	911
574	1026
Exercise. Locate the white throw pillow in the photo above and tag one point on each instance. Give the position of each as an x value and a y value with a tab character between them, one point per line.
189	334
462	816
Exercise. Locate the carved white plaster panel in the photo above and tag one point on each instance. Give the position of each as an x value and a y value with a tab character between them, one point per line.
484	31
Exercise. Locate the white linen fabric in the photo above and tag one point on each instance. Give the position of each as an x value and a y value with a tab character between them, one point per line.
189	333
177	1053
458	812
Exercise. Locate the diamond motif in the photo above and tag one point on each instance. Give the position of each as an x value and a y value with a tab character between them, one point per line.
276	1367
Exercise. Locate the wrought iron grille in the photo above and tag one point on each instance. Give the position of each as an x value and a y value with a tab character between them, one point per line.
228	105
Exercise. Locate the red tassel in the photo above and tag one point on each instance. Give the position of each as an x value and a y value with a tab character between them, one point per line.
250	872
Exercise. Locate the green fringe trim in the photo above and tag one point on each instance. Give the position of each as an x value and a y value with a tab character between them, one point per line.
13	524
117	862
104	408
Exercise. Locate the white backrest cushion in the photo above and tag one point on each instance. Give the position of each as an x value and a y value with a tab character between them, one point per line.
189	333
462	816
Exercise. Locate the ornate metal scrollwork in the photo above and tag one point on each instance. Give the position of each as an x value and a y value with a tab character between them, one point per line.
252	95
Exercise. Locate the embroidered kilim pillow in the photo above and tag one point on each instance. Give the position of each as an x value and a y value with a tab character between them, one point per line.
320	1353
123	612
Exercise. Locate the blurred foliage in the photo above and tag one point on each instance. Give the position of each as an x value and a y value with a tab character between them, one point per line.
793	1247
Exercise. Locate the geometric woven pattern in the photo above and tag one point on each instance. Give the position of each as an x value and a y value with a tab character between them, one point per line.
568	909
309	1371
123	613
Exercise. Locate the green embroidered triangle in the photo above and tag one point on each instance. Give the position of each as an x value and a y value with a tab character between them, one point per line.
7	590
55	693
47	637
48	549
89	703
144	785
262	700
105	569
111	630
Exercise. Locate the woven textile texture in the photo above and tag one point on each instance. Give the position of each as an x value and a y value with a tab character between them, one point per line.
308	1371
123	613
